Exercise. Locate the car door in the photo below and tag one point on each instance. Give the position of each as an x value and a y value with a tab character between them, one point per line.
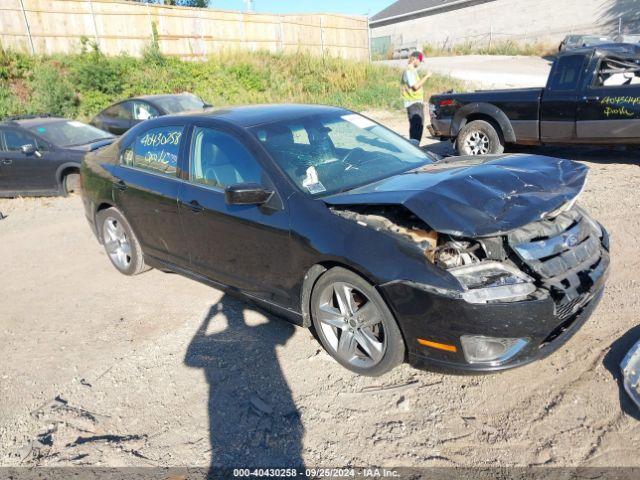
117	119
146	190
559	100
25	172
609	110
242	246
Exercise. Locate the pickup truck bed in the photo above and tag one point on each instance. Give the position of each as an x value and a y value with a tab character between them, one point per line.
592	96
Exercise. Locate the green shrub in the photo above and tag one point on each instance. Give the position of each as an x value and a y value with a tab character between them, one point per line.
52	92
83	84
501	47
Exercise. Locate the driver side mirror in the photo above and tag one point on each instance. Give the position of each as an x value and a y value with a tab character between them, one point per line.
30	149
246	194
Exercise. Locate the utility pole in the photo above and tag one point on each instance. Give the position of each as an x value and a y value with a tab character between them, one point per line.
248	5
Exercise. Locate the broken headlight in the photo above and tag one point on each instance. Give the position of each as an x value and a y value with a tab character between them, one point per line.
492	281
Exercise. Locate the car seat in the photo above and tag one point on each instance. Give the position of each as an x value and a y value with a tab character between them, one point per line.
213	165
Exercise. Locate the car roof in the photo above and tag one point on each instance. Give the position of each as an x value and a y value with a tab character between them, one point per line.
31	121
156	97
252	115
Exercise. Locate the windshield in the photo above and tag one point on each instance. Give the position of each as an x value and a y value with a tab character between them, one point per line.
180	103
334	152
596	40
69	133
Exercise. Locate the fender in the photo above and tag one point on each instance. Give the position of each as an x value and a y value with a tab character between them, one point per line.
460	119
313	274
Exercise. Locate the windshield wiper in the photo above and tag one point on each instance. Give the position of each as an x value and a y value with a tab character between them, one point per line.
88	141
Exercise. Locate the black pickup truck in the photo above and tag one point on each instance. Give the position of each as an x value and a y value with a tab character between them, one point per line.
592	97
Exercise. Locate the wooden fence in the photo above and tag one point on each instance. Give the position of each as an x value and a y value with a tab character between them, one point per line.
57	26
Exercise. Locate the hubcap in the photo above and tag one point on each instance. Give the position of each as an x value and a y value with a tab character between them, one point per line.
477	143
352	325
116	243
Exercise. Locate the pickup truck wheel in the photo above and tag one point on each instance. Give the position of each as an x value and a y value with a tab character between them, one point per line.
354	324
479	138
120	243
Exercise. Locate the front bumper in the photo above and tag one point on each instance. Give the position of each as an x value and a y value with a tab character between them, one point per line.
442	319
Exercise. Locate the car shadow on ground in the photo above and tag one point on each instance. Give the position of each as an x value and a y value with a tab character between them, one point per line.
253	420
611	362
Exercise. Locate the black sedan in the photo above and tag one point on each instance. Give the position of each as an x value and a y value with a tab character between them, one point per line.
121	116
332	221
42	155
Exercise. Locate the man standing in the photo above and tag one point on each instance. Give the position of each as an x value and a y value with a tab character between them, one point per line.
413	95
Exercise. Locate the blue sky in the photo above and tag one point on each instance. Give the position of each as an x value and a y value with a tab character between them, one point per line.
358	7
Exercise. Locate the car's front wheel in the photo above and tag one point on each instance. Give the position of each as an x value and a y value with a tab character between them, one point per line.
479	138
354	324
120	242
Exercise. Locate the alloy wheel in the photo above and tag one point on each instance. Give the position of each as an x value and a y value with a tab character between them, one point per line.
477	143
352	325
116	243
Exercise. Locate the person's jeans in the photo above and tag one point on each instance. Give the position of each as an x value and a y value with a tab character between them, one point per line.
415	111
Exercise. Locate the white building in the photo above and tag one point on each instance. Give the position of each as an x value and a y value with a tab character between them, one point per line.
413	23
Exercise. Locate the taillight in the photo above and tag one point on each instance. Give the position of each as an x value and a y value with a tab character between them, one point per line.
446	103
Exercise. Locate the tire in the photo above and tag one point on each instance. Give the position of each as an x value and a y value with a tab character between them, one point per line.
479	138
342	332
71	183
120	243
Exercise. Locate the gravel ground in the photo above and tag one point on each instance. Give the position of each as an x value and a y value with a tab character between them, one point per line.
106	370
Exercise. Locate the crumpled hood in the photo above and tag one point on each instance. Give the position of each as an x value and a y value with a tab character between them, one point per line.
477	196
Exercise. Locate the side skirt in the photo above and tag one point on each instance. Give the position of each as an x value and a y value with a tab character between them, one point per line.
273	308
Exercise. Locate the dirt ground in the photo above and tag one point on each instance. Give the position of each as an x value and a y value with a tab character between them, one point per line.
106	370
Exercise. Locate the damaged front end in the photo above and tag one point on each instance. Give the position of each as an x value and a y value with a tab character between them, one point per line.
522	293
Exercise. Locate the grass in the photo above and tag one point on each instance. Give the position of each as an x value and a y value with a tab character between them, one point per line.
80	85
506	47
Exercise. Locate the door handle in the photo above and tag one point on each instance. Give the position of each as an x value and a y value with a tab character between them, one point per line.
591	98
194	206
120	185
7	161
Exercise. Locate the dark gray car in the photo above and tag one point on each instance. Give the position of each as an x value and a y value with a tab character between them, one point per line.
572	42
121	116
42	155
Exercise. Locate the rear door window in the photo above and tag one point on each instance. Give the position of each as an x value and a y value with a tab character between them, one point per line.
156	150
566	73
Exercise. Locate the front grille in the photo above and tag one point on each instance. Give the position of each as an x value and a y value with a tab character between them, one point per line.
567	309
562	254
